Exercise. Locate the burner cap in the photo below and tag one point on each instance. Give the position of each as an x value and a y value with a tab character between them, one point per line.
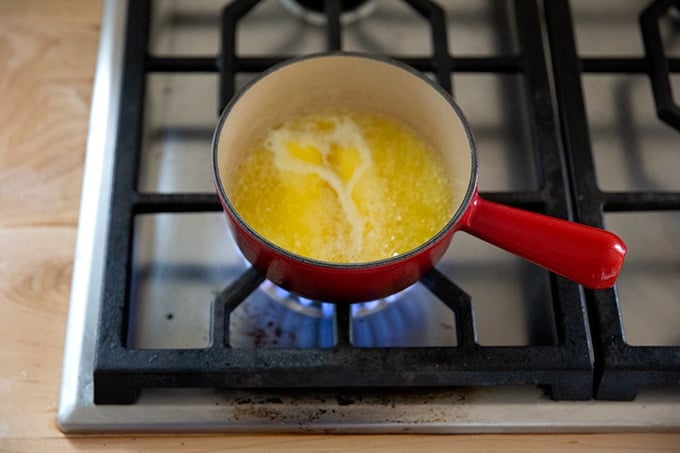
312	11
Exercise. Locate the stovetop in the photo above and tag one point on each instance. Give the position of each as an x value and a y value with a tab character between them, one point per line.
169	329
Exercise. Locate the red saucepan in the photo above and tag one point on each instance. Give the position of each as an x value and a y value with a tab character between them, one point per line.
589	256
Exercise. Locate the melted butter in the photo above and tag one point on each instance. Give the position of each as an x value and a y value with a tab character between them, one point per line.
343	187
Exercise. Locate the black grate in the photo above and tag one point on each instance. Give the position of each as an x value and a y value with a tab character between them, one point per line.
620	369
566	367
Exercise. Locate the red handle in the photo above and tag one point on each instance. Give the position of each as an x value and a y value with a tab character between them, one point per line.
587	255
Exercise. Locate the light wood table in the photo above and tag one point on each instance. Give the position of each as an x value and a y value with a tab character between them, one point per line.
47	56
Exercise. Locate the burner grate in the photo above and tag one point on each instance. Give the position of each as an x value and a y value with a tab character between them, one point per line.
620	369
121	371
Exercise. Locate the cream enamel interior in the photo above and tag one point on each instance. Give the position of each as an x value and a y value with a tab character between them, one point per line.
347	82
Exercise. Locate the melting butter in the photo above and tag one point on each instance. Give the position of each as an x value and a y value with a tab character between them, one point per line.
343	187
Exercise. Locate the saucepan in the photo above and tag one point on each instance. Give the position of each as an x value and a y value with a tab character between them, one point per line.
589	256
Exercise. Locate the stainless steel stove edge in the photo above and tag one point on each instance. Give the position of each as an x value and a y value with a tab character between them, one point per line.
478	410
93	218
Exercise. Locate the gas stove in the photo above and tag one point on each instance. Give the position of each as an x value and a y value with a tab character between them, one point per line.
571	104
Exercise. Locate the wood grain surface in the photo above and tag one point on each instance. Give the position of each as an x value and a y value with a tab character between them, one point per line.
47	56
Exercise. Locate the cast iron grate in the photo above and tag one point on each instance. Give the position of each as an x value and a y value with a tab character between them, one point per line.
121	371
620	369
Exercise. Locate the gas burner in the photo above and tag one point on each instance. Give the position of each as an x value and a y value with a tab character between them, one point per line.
296	303
313	11
272	317
315	308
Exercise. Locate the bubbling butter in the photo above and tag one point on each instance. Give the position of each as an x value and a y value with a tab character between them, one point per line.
343	187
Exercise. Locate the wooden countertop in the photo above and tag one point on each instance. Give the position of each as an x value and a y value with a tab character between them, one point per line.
47	57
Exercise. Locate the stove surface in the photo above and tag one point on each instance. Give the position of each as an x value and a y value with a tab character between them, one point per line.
181	261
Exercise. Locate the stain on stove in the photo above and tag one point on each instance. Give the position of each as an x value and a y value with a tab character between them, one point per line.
258	337
268	400
260	412
345	400
318	414
271	336
446	326
427	406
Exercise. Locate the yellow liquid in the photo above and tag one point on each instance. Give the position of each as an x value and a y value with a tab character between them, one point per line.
343	187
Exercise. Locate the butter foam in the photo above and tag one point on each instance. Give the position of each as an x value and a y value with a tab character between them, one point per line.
343	187
337	134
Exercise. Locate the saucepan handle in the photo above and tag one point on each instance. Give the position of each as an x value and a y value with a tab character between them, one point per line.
589	256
